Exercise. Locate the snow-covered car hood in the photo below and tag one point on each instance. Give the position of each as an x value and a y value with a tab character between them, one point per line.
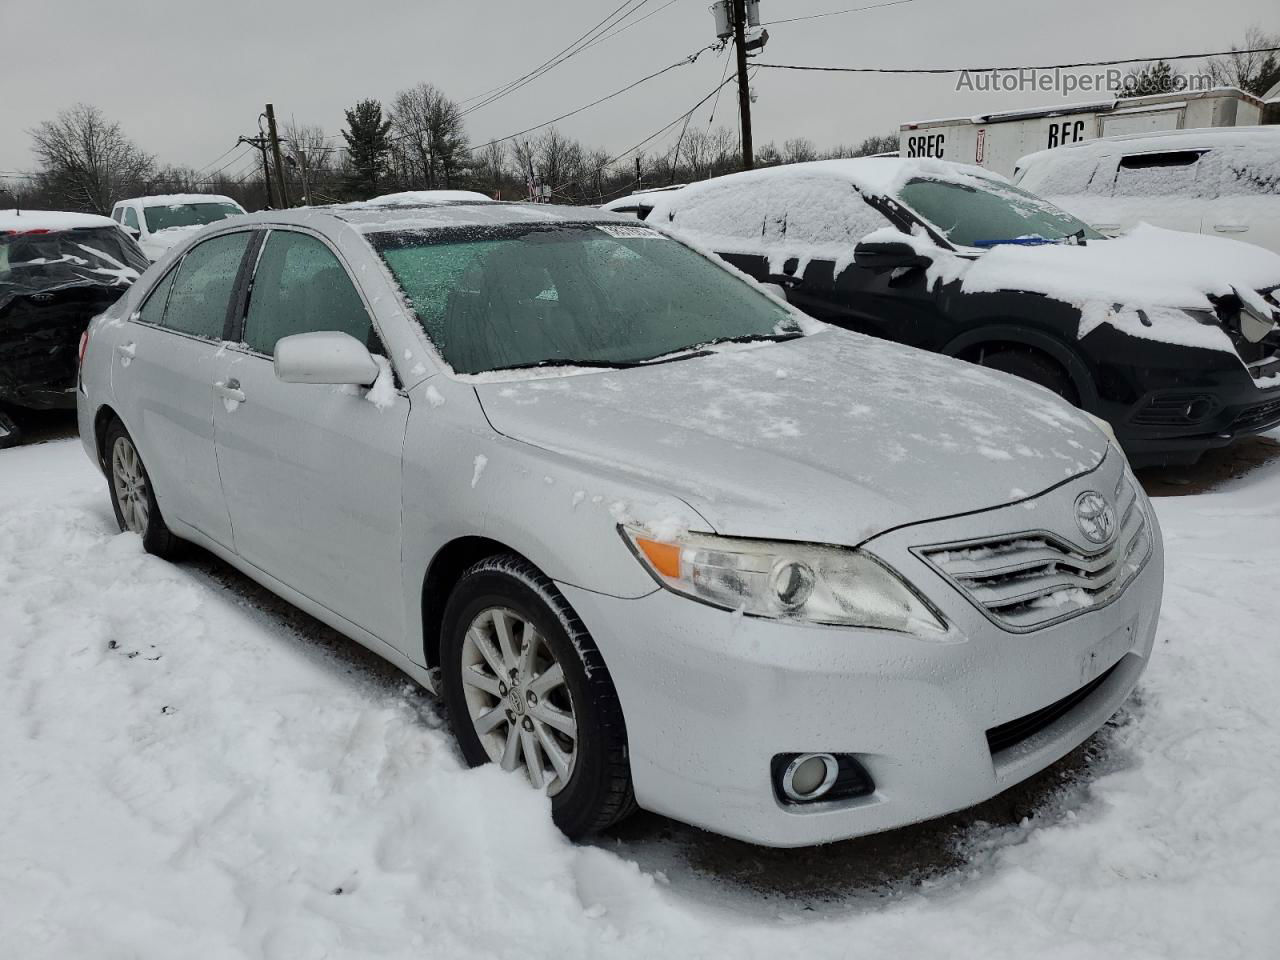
831	438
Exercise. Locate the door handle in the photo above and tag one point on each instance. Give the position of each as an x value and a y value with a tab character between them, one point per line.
230	390
1231	227
127	352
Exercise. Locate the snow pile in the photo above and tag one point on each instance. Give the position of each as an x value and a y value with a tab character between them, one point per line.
180	768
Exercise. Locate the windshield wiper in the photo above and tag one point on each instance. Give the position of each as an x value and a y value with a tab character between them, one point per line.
539	364
702	349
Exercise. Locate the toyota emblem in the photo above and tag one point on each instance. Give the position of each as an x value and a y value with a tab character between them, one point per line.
1095	516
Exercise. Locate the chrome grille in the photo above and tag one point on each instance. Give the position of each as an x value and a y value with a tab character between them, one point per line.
1029	580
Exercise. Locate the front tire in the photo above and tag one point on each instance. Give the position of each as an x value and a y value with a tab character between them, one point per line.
526	688
1037	368
132	497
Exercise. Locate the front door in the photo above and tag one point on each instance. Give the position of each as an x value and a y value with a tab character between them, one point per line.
311	472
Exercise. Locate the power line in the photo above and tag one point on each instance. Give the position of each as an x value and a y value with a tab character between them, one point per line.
837	13
576	47
200	170
1055	66
692	58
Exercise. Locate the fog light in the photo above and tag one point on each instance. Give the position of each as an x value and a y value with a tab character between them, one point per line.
809	776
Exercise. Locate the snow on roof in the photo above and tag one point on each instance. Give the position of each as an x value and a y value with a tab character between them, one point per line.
1097	106
179	199
1194	139
426	197
641	196
371	218
50	220
875	176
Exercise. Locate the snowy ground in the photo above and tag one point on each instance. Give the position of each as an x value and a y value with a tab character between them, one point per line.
189	769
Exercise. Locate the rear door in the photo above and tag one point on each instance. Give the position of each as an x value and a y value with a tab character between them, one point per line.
311	472
166	363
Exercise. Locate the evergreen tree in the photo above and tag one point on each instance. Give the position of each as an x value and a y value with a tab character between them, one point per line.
368	145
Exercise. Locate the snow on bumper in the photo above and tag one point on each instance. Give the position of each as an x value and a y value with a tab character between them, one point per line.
710	698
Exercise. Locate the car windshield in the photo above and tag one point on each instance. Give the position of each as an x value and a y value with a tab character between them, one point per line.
38	261
188	214
991	213
493	298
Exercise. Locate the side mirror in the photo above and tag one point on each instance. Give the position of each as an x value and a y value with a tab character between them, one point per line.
131	231
324	357
777	289
889	255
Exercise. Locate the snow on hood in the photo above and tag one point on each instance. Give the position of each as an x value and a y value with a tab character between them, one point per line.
1160	272
831	438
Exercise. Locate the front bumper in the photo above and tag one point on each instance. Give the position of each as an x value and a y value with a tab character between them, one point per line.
710	698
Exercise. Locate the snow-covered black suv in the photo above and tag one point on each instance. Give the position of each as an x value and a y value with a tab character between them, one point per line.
1169	336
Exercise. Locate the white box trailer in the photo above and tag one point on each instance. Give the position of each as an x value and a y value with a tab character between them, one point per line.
997	141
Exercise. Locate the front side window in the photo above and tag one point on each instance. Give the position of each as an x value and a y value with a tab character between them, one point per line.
188	214
494	298
989	213
202	289
1249	171
301	287
131	217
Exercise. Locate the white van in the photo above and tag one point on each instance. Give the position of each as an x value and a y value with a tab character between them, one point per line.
158	222
1222	181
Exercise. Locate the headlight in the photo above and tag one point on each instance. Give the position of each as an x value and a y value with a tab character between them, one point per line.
785	581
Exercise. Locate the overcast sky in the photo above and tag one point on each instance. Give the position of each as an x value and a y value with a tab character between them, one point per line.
184	79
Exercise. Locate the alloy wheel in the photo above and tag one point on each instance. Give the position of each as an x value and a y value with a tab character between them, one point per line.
129	481
517	698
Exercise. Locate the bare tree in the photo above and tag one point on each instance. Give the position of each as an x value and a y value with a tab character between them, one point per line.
429	128
799	150
881	143
87	160
307	159
489	169
1253	73
558	159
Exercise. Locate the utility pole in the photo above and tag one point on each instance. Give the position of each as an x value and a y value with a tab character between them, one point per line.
639	177
259	143
275	153
744	90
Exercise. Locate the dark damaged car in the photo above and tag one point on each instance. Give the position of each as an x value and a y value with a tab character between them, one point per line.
57	272
1171	337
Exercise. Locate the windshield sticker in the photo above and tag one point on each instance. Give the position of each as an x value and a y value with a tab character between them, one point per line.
621	231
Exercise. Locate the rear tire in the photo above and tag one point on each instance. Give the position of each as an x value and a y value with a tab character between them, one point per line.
132	497
526	687
10	433
1035	367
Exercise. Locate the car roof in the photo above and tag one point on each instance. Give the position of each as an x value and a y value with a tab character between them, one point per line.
1161	140
22	220
374	218
177	199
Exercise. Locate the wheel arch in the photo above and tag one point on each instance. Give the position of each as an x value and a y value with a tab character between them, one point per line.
973	344
101	420
443	573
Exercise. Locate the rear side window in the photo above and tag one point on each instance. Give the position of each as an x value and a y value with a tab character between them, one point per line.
153	310
819	212
301	287
203	285
1158	174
